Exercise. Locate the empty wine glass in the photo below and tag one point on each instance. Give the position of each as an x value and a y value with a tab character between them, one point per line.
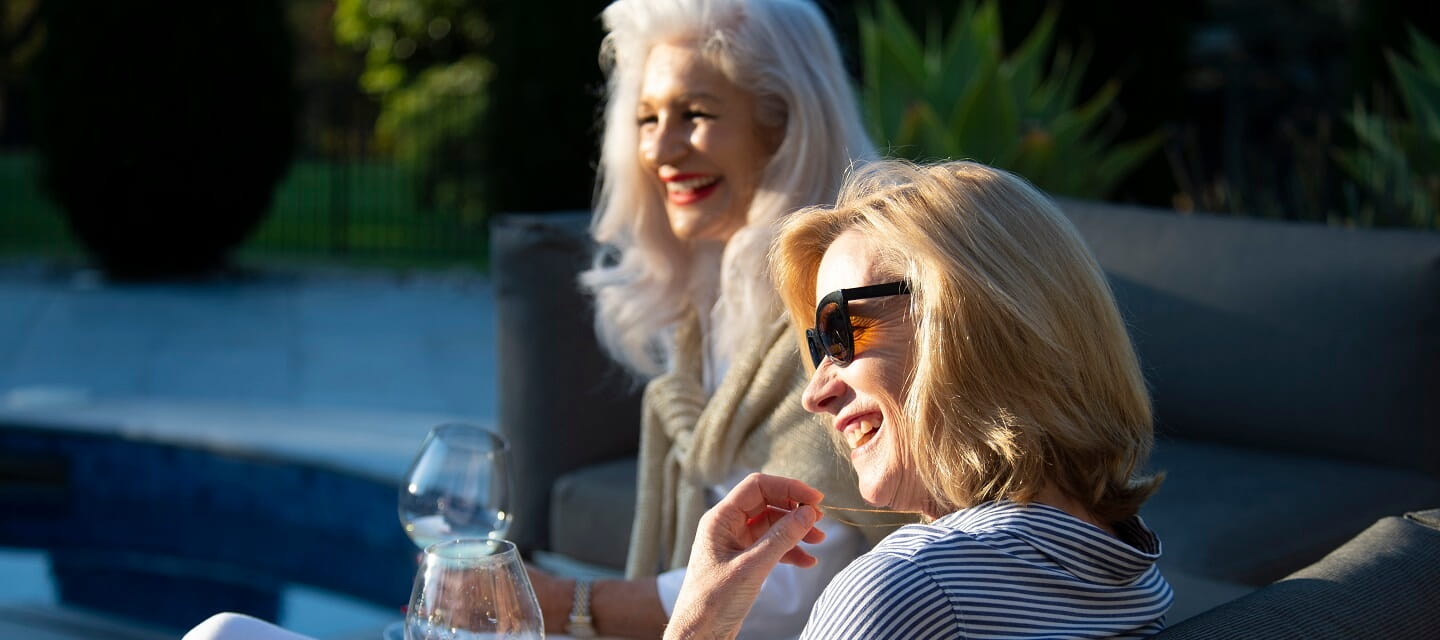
458	486
470	589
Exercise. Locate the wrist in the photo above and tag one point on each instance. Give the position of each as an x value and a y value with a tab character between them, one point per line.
555	602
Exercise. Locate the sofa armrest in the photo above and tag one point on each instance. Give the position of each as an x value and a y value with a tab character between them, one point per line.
563	404
1378	585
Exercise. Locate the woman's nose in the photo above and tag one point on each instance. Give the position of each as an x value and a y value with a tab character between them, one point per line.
822	393
665	143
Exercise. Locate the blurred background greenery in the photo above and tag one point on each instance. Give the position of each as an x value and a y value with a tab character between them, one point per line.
413	121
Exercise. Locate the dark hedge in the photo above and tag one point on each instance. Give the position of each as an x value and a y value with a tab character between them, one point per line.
163	126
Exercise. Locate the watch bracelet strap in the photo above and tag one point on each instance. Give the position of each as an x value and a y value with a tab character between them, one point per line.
582	624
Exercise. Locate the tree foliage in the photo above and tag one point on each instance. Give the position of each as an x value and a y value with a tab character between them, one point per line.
19	33
424	61
1397	157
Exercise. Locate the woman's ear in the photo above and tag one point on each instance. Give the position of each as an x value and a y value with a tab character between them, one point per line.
770	119
771	138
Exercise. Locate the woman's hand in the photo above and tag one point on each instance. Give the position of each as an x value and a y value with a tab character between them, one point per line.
758	525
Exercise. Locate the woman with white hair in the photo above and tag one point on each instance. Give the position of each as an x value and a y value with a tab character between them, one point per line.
969	353
722	117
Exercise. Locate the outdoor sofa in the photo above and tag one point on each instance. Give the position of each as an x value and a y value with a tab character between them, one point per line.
1294	367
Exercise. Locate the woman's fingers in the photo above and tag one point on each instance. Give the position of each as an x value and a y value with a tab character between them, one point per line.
758	492
762	523
799	558
765	518
779	542
756	526
815	536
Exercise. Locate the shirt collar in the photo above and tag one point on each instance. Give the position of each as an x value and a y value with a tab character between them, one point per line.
1080	547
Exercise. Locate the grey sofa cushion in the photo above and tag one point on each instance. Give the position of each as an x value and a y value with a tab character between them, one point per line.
1283	335
1381	584
1250	516
590	513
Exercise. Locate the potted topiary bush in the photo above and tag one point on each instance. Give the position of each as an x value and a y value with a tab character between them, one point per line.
163	126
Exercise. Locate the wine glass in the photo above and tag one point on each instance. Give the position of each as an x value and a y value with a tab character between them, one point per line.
458	486
473	588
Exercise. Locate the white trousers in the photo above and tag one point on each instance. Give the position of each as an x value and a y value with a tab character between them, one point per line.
235	626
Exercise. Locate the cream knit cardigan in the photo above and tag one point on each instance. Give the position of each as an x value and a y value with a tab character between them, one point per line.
753	421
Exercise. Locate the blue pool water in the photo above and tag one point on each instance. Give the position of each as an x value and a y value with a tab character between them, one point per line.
25	579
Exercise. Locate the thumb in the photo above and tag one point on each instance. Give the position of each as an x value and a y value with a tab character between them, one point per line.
786	533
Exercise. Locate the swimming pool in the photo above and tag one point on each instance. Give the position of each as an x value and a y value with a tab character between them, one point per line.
321	614
167	533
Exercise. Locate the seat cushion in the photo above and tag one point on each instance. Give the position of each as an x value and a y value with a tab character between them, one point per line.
591	509
1378	585
1250	516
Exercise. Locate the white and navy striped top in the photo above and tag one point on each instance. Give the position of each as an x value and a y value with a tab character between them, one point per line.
1000	570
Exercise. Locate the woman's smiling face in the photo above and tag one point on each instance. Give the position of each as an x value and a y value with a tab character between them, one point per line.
700	142
866	396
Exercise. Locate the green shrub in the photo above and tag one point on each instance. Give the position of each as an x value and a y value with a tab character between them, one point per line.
1397	160
423	61
163	126
961	96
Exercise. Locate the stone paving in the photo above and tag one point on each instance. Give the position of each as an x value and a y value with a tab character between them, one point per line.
309	339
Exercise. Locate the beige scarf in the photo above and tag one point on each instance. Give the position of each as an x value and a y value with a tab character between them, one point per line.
754	421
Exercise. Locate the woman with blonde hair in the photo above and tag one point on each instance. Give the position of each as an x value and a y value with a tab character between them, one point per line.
721	118
970	356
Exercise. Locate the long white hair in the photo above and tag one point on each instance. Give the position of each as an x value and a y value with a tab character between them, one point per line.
784	53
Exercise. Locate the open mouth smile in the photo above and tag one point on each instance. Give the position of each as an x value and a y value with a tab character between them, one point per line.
861	431
690	189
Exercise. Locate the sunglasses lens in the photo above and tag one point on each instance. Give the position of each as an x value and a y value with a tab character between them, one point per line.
834	330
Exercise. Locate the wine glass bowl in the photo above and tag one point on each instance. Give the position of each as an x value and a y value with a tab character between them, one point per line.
473	588
458	486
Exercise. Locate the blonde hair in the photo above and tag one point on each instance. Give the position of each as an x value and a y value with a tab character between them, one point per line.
784	53
1024	373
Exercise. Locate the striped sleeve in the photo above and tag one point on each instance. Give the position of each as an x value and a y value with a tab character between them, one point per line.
882	596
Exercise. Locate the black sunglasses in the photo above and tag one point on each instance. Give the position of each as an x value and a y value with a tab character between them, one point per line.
833	335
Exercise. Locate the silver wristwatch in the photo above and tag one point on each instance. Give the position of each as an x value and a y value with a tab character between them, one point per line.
581	624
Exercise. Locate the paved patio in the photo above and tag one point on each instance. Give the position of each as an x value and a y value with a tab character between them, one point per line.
314	339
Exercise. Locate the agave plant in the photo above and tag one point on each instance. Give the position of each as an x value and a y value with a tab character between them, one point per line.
1397	160
961	96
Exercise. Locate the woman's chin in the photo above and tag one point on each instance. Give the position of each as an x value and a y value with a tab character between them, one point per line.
875	495
886	493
